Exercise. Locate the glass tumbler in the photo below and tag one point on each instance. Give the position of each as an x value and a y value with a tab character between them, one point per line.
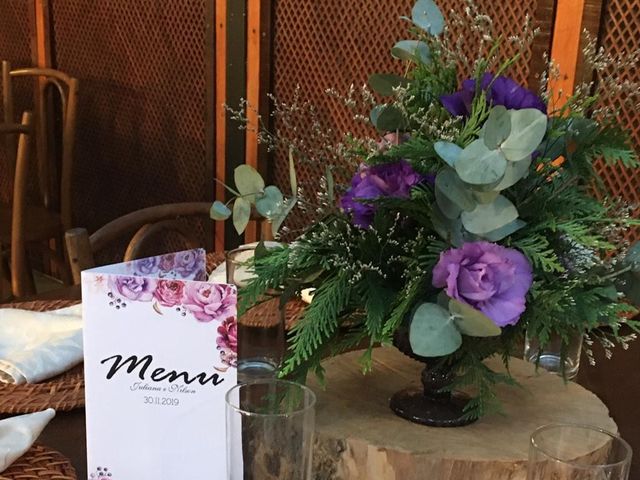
577	452
270	431
551	354
261	330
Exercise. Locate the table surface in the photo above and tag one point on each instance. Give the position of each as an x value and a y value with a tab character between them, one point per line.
616	381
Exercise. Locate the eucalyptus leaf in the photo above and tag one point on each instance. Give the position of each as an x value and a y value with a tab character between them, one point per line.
485	197
497	127
293	179
389	119
270	202
375	114
330	184
412	50
432	332
487	217
248	182
632	258
477	165
630	286
449	184
426	15
448	151
528	128
503	232
384	83
472	322
219	211
514	172
279	218
448	208
449	229
261	251
241	214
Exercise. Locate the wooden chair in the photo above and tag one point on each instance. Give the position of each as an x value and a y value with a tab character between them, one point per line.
147	224
53	215
20	277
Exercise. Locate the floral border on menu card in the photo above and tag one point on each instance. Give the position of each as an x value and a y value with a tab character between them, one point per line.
206	302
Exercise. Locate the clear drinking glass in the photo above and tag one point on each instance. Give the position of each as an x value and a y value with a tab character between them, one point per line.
270	430
577	452
261	330
551	354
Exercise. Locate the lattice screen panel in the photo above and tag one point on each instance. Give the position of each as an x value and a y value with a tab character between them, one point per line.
15	46
141	119
621	33
332	44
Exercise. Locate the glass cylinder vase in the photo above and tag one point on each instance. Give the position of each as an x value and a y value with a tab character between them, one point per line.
577	452
270	431
551	355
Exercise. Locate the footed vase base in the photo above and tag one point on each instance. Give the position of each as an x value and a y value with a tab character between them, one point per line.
412	404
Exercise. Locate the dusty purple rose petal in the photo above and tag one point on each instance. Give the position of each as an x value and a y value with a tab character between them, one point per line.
385	180
134	288
503	91
487	276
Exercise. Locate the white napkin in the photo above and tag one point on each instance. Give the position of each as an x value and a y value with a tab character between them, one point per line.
35	346
17	434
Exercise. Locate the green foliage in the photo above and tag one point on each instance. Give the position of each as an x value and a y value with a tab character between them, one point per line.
319	322
495	181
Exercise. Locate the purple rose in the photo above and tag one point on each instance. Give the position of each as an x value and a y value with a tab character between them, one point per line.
146	266
185	263
385	180
490	278
133	288
166	262
169	292
503	91
209	302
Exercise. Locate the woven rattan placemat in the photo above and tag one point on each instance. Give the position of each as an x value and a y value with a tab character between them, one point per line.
62	393
40	463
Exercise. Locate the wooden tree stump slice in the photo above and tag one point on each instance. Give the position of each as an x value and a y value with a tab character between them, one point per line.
359	437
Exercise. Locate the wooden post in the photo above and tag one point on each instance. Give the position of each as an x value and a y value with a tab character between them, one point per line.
572	18
211	114
220	99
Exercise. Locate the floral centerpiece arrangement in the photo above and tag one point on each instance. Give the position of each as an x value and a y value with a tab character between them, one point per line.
478	217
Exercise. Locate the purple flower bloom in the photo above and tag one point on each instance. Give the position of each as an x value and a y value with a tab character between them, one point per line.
185	263
209	302
503	91
166	262
146	266
490	278
133	288
227	341
385	180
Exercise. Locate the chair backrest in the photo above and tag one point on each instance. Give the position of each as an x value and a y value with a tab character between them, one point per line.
20	276
147	223
54	186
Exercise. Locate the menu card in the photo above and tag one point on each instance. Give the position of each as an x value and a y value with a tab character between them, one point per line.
160	354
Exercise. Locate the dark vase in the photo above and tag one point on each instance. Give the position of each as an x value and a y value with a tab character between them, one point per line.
429	405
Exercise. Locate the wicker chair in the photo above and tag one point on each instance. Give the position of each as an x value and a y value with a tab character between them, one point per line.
13	218
49	216
145	224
